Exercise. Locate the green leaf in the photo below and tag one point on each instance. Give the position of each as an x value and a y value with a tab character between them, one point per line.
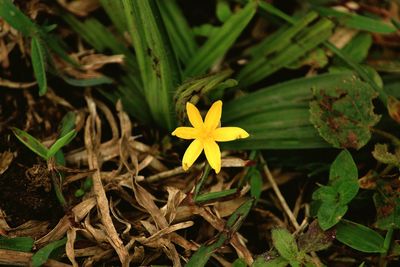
223	10
343	169
18	20
285	244
219	43
31	142
343	187
182	38
381	153
359	237
357	49
260	67
215	195
67	123
114	9
158	66
239	263
357	21
255	184
43	254
64	140
87	82
195	88
330	213
24	244
260	261
39	64
277	116
343	114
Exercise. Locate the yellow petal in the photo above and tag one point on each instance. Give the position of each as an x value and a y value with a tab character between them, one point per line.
213	154
186	132
194	115
224	134
213	116
192	153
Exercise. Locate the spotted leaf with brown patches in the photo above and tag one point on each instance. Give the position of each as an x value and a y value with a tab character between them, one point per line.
343	114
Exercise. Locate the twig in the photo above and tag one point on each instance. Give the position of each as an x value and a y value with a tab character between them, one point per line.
278	193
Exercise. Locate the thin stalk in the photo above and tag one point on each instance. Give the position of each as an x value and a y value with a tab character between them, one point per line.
391	137
386	247
199	185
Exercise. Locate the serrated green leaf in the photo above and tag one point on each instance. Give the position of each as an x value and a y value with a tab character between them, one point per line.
39	64
355	21
381	153
359	237
42	255
343	114
31	142
387	203
285	244
219	43
24	244
62	141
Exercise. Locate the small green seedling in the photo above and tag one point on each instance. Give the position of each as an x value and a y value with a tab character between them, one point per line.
53	154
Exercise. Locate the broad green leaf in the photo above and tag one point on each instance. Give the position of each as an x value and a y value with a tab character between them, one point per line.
202	255
43	254
276	116
158	66
285	244
215	195
62	141
330	213
239	263
31	142
381	153
182	38
18	20
17	243
343	169
355	21
344	114
326	193
39	64
219	43
359	237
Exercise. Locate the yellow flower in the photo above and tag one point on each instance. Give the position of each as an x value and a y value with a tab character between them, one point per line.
205	135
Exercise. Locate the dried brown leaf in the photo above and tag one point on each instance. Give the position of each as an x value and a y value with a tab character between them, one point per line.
69	246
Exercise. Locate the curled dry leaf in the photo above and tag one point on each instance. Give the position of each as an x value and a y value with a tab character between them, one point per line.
5	160
80	7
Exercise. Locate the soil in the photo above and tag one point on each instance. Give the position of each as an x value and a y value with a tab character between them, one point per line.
26	190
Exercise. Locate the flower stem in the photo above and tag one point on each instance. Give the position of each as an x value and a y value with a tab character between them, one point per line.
199	185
